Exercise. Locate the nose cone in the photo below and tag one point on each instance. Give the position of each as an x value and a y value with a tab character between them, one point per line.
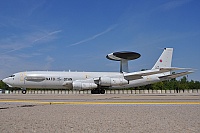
5	80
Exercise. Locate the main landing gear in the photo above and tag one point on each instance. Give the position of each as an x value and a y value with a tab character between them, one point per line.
98	91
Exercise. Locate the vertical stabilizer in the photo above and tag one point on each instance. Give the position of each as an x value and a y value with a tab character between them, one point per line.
165	60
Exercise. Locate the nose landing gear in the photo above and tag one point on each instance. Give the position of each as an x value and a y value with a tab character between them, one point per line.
23	91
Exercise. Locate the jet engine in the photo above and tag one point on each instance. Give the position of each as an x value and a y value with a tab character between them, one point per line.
83	86
107	81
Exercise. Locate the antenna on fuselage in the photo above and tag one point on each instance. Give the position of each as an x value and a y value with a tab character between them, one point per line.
123	57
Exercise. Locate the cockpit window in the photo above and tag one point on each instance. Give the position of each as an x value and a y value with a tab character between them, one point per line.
12	76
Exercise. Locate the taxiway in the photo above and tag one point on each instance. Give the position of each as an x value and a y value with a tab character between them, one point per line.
100	113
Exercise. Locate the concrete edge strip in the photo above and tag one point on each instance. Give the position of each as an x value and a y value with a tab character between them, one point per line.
101	103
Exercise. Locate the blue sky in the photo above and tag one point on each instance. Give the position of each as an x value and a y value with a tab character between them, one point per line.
78	34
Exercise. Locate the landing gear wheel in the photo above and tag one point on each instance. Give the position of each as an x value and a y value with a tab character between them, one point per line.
98	91
102	91
94	91
23	91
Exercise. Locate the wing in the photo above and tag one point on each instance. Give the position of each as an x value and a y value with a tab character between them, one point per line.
172	76
140	74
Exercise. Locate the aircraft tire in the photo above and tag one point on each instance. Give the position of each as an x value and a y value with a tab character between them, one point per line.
102	91
95	91
23	91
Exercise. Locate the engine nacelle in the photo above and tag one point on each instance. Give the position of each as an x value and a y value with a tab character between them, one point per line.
107	81
152	79
83	86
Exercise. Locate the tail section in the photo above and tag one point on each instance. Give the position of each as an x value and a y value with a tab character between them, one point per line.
165	60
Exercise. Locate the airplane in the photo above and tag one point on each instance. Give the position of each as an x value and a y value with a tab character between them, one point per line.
97	82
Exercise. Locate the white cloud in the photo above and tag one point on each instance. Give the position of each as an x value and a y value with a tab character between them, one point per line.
12	62
174	4
15	43
35	6
9	64
46	36
93	37
49	61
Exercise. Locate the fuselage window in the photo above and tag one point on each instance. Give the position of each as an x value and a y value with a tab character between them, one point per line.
12	76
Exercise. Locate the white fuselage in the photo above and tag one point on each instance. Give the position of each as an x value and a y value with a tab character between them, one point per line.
57	80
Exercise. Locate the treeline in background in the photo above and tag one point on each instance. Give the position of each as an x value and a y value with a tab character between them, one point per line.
173	84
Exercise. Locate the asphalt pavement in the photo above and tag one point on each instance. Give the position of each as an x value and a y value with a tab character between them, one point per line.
100	113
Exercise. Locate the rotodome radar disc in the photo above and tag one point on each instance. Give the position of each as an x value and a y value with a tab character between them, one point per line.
118	56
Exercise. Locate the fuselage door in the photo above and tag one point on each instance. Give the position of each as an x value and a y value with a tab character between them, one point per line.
22	78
